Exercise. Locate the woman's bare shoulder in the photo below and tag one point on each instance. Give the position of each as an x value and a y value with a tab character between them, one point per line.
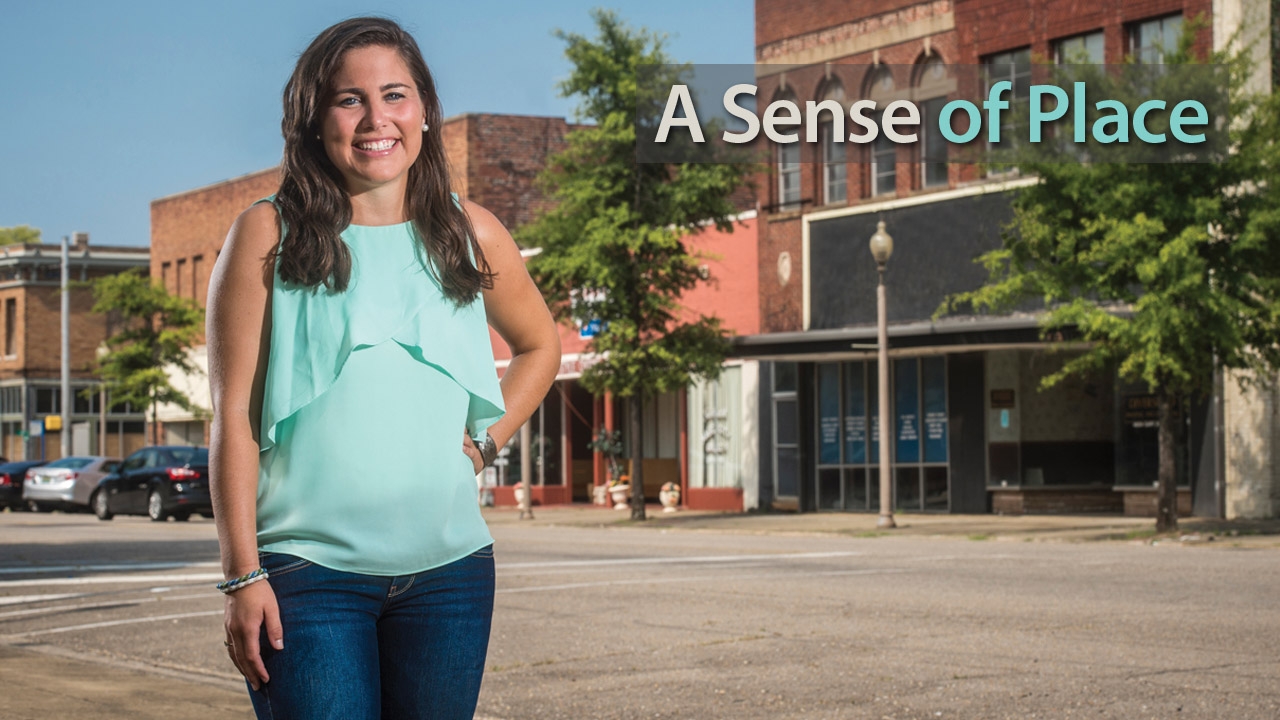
257	229
490	232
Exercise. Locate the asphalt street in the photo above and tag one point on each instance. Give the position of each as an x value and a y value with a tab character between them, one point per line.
120	619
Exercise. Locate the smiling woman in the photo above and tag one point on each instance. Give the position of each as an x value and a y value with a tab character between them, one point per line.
383	585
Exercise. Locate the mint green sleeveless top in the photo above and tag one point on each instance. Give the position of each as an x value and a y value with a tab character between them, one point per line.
361	466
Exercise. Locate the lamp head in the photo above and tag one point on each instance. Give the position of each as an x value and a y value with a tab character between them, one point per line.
881	245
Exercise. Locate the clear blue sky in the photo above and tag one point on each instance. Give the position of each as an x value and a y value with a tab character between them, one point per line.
111	105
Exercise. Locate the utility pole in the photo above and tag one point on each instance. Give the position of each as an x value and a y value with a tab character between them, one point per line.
65	434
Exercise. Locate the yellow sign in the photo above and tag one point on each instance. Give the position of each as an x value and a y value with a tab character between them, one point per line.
52	422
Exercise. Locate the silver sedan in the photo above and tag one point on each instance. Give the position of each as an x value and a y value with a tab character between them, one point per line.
66	483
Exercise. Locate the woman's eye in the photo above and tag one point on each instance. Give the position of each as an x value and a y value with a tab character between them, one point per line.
348	101
395	96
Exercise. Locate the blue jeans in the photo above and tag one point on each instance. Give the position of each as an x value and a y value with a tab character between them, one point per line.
370	647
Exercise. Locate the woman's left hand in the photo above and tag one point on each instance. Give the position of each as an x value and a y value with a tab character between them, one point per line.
473	452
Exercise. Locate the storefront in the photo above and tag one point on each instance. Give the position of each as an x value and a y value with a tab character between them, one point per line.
974	426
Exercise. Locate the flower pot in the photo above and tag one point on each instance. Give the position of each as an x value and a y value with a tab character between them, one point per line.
670	500
619	494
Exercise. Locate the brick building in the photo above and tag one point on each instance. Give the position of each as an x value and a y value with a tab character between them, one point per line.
971	431
31	364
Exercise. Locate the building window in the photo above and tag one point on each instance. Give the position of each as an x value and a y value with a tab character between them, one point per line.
1014	66
10	327
786	431
931	84
177	277
164	275
883	151
195	276
11	400
1083	49
834	169
48	401
1150	41
789	176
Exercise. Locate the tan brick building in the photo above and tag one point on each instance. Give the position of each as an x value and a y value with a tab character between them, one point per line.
30	364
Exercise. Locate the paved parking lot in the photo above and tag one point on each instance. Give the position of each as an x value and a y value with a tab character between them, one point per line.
696	619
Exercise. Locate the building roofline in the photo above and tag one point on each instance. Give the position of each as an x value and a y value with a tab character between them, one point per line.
220	183
466	115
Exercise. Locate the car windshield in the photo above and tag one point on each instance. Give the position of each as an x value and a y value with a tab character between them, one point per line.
189	455
74	463
110	466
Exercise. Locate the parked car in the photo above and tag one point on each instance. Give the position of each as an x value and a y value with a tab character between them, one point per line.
12	477
66	483
159	482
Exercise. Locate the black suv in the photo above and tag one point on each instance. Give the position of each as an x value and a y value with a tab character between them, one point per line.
159	482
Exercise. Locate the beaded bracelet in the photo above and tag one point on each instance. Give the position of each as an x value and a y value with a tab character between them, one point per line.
230	586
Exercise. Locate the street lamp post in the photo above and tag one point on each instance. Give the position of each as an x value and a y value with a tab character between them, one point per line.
881	249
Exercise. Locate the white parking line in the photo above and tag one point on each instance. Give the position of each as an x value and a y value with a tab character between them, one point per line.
108	604
667	560
655	581
109	623
21	599
17	570
107	579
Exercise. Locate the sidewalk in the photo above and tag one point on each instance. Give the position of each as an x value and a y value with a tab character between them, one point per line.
1020	528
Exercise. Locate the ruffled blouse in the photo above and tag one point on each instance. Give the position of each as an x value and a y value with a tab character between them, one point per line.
361	466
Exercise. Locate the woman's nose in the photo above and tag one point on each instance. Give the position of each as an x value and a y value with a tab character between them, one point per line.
374	116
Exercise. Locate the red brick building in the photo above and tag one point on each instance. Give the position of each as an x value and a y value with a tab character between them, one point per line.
31	362
971	431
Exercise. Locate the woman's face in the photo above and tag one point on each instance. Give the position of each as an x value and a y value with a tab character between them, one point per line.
372	121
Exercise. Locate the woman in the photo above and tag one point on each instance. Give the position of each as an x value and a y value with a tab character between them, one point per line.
347	344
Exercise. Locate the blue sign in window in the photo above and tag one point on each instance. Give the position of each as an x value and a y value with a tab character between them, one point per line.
829	414
855	413
934	373
906	401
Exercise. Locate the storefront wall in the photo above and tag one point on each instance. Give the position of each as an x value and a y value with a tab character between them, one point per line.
972	432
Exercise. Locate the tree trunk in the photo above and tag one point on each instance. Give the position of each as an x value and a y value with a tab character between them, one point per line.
155	422
1167	480
636	403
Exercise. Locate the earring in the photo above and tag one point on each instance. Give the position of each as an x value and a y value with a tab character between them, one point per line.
425	127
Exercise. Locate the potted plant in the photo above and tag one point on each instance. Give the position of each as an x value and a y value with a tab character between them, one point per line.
670	497
609	443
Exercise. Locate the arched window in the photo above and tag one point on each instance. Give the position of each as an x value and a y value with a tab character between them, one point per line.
884	152
834	169
931	94
788	166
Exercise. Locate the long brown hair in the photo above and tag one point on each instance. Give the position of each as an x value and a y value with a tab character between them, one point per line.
313	201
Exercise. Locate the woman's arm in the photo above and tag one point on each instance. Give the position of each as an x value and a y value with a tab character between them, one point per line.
518	313
238	333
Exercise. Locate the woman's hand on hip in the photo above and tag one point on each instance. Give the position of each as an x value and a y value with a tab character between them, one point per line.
473	452
249	610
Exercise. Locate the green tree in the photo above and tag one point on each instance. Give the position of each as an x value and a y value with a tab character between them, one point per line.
612	248
19	234
1169	272
156	331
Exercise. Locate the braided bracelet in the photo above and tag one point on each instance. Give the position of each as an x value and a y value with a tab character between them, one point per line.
230	586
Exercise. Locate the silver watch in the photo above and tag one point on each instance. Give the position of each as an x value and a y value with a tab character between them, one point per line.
488	450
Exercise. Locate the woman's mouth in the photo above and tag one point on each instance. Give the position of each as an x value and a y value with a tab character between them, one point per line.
376	147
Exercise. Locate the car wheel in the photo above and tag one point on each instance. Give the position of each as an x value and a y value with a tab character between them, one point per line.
34	506
101	505
155	507
182	517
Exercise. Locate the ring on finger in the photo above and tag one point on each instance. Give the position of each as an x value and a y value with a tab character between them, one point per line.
226	644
